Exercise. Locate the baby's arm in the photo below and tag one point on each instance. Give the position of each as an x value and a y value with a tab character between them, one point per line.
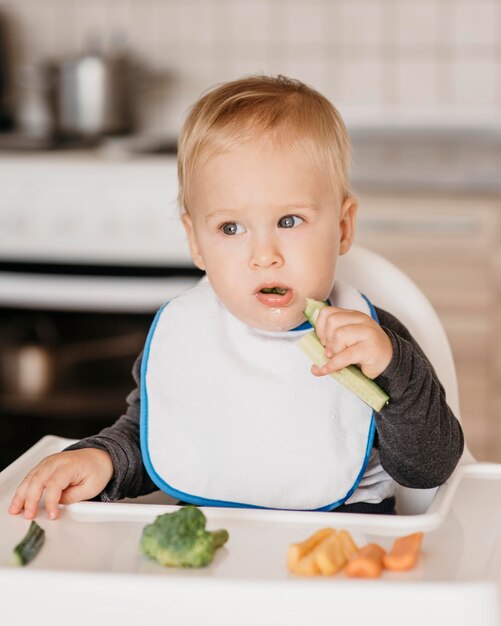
420	440
122	442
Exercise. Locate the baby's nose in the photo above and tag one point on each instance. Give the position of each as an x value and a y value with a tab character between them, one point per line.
265	252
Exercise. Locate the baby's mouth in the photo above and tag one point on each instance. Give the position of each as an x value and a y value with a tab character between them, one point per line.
281	291
275	296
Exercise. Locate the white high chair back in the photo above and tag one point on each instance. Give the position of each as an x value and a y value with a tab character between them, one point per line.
391	289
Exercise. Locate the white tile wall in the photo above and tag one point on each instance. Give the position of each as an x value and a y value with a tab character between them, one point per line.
362	23
302	23
475	22
417	81
244	22
474	79
377	60
417	23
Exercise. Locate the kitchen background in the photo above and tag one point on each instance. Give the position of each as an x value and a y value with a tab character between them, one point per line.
89	243
378	60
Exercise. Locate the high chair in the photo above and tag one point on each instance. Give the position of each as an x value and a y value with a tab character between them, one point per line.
94	546
391	289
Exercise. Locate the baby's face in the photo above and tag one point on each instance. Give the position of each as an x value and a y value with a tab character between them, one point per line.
267	227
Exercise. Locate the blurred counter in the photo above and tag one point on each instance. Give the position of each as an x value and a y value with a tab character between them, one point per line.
393	158
413	159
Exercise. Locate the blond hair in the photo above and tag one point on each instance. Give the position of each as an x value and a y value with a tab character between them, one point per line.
282	108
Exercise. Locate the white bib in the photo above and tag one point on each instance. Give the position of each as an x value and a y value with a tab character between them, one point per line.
232	416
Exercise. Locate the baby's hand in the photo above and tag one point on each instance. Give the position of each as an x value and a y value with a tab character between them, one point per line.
352	338
65	477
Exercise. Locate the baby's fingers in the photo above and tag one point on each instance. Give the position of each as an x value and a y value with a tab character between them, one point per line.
54	488
28	495
17	503
41	479
331	319
19	498
349	356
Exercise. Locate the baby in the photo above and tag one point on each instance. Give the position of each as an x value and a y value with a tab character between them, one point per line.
226	411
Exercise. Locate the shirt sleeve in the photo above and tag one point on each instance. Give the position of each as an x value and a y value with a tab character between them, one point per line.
121	440
420	440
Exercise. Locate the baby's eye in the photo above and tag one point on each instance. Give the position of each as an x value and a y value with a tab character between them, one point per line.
232	228
289	221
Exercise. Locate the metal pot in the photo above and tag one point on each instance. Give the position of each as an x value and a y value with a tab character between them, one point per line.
27	370
93	96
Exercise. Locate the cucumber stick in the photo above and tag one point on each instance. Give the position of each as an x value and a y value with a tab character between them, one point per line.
350	377
30	546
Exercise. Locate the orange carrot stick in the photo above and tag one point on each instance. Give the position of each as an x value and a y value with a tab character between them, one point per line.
306	566
366	563
404	553
333	553
297	551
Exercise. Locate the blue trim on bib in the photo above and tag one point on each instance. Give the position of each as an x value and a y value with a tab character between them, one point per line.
143	405
368	448
372	308
304	326
200	501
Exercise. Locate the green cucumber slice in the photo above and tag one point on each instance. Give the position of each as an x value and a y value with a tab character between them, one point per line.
29	546
350	377
312	309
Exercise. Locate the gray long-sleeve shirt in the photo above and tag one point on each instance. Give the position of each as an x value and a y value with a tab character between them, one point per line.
419	439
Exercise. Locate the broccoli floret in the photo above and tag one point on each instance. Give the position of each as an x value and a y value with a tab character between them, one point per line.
179	539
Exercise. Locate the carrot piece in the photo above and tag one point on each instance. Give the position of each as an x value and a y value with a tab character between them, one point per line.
333	553
297	551
404	553
306	566
366	563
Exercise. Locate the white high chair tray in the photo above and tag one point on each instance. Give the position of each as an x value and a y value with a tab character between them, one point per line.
92	564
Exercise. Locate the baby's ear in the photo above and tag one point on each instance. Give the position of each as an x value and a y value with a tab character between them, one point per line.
347	219
192	241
